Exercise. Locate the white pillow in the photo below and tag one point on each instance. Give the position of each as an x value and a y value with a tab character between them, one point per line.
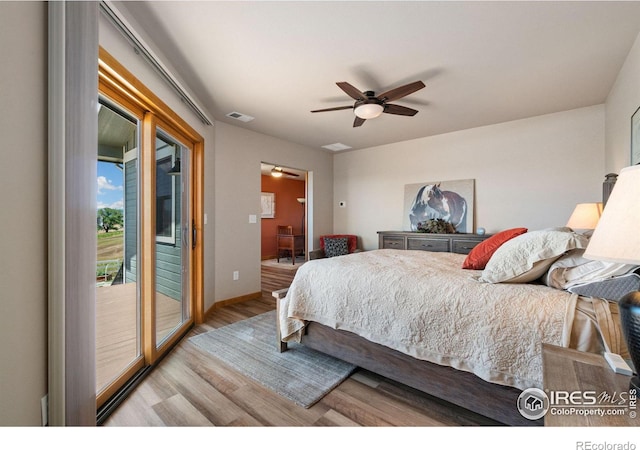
527	257
555	275
573	269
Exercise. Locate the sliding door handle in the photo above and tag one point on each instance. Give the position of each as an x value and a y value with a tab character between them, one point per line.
194	235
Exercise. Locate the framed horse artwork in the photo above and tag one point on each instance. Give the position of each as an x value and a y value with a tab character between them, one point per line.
451	201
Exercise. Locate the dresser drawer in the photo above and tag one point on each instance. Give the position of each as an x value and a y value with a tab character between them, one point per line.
463	246
396	242
433	242
431	245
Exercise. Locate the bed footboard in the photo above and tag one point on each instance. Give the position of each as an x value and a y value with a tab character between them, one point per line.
460	388
279	295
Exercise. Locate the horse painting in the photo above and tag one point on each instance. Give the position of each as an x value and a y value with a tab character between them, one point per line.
433	203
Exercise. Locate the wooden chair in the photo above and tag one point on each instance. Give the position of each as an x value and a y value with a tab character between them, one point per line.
285	229
288	243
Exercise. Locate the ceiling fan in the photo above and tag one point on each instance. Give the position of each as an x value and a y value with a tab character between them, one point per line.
368	105
278	172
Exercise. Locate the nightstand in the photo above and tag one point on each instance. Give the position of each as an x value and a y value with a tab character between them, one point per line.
584	391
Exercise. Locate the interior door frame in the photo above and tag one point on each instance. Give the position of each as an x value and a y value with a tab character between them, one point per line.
307	228
117	84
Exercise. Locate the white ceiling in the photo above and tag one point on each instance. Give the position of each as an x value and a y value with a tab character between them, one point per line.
482	62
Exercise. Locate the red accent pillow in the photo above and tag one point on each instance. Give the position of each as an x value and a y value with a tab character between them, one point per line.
479	256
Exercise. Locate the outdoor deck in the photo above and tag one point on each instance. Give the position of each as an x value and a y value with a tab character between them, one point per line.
116	330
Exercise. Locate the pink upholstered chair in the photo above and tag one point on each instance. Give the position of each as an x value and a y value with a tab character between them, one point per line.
328	240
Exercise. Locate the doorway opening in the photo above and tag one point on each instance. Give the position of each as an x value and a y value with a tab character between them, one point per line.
285	224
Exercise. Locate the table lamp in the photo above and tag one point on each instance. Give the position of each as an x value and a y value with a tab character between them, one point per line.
585	216
617	239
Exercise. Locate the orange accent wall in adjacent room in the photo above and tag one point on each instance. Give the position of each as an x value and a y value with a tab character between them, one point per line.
288	210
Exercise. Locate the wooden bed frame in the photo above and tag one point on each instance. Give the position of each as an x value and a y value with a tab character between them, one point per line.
455	386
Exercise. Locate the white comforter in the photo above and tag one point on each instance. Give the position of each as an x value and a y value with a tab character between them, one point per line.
423	304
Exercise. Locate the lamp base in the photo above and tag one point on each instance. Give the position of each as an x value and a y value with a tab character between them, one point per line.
629	308
635	384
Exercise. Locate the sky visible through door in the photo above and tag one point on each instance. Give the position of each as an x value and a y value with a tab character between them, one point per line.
110	186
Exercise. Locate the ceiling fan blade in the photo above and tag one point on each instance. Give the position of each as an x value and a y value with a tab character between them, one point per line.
337	108
399	110
402	91
284	172
358	122
351	91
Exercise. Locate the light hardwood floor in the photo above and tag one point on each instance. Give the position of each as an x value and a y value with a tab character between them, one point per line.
191	388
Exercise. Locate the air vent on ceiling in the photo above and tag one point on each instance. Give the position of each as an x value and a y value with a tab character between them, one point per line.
336	147
239	116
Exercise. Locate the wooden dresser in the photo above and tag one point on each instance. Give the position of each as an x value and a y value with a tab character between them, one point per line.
410	240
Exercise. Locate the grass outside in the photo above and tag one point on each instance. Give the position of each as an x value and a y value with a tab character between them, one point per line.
110	247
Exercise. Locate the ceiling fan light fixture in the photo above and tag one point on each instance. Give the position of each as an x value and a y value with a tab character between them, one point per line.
370	106
368	110
276	172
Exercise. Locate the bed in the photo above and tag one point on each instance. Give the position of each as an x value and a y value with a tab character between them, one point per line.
472	337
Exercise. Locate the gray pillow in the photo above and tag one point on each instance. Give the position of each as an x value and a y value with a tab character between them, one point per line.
612	289
335	247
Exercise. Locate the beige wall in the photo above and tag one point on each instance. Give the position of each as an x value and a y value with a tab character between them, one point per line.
527	173
23	216
238	154
622	102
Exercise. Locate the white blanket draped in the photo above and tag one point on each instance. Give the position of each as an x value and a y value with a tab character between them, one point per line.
424	305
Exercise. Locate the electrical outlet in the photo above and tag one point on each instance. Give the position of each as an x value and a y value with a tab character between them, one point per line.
236	275
44	409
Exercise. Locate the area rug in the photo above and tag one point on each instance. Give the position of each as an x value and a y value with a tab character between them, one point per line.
299	374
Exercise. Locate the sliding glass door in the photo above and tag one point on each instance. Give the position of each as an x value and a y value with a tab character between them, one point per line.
149	211
173	235
118	346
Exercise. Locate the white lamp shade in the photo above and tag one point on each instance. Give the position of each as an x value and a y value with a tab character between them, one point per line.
368	110
585	216
617	236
